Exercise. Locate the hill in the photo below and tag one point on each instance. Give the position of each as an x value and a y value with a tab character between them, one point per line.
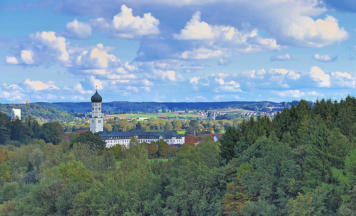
38	111
154	107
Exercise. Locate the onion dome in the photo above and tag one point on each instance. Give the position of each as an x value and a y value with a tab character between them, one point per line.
96	98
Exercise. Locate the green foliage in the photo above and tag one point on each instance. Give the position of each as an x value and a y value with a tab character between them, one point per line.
228	143
51	132
302	162
37	110
92	140
9	191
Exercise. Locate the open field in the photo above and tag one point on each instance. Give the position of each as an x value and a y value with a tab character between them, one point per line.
180	115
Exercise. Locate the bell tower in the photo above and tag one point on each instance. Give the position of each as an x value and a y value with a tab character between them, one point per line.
96	121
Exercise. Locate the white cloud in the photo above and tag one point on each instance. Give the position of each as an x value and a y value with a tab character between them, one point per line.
215	41
81	90
344	79
293	75
78	29
285	73
126	25
196	29
296	93
323	58
27	56
96	83
166	74
277	74
291	22
341	75
194	80
284	57
199	30
11	60
278	71
147	82
226	86
40	86
315	33
54	43
201	53
256	73
319	76
98	58
132	88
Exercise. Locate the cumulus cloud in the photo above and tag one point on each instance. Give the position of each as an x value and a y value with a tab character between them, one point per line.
226	86
194	80
11	92
319	76
126	25
297	26
296	93
56	44
202	53
81	90
96	83
290	22
96	57
27	56
11	60
284	57
166	74
285	72
316	33
344	79
278	74
324	58
78	29
197	30
40	86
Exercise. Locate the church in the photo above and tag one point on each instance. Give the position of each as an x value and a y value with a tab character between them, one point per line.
123	138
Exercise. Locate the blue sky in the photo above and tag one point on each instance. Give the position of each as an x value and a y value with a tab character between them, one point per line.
168	50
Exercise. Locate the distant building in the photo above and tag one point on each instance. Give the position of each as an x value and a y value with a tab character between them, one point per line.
96	121
123	138
16	114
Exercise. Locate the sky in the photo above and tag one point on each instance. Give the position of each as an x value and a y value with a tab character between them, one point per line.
177	51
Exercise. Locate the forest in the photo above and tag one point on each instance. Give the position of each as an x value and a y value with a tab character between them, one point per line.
301	162
42	113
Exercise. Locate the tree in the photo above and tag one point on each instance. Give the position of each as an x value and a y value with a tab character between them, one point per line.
348	207
193	187
94	141
227	144
194	126
259	208
5	172
5	129
163	148
9	191
52	132
152	149
19	131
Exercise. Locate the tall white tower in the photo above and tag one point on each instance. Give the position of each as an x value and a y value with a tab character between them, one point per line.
96	122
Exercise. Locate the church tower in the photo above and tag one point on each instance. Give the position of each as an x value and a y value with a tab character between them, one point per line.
96	122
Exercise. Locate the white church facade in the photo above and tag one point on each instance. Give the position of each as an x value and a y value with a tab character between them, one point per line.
96	121
123	138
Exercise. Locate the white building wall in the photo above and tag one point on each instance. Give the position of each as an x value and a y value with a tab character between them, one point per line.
96	122
126	142
16	113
